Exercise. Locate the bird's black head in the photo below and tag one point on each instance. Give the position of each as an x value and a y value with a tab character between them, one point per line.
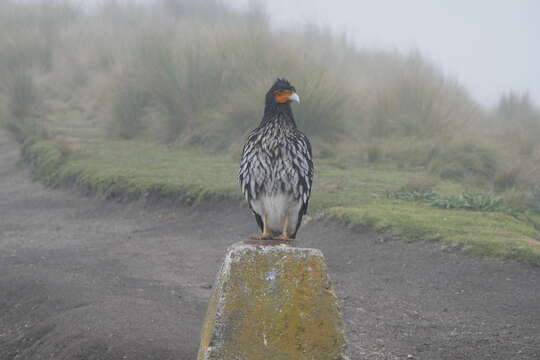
282	92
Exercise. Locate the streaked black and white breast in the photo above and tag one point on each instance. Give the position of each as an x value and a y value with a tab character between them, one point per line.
276	170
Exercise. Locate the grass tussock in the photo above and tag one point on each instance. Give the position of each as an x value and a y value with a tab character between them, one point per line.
465	160
21	93
194	73
201	70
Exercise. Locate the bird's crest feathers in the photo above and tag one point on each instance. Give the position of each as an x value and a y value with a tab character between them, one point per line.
281	84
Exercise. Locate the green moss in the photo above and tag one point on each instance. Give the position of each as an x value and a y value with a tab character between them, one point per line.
273	303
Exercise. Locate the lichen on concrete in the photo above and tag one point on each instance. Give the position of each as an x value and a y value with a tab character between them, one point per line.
273	302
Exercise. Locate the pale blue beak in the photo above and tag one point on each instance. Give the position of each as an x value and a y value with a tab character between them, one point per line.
294	97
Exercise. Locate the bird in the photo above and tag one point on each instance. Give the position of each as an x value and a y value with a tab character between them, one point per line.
276	168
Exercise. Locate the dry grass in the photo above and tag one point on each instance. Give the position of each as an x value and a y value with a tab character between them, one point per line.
194	73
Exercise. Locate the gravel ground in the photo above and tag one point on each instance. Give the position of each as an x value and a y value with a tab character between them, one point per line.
86	278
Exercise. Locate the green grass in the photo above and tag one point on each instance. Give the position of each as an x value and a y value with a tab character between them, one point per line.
481	233
131	169
356	196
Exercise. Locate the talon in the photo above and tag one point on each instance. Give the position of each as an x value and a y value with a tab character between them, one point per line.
262	237
285	237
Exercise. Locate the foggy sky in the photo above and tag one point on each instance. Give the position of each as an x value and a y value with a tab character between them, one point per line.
489	46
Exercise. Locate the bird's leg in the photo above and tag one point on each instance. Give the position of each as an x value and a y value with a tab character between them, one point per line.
266	232
284	234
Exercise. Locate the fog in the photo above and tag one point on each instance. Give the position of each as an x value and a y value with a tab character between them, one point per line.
487	45
420	128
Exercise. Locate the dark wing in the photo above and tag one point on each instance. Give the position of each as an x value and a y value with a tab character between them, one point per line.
303	162
246	175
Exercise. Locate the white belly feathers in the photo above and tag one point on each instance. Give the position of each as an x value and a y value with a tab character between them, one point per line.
275	207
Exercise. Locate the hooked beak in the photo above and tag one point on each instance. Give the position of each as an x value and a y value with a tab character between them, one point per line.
294	97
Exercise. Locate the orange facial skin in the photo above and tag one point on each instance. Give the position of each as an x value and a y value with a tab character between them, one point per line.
282	96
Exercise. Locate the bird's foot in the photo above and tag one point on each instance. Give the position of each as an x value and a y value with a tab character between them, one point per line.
285	237
262	237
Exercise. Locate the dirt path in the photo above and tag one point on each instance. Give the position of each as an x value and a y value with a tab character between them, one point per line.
84	278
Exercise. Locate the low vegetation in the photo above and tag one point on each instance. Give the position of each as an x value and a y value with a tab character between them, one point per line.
134	100
355	195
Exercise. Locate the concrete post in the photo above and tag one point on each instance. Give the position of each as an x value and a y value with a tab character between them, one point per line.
273	302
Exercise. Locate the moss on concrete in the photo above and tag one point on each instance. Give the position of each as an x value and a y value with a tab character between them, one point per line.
273	302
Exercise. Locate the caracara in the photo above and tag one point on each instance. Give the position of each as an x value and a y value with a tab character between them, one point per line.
276	171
